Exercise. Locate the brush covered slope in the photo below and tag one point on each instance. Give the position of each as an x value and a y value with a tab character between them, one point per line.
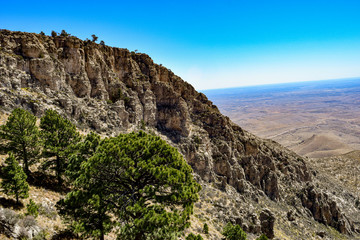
256	183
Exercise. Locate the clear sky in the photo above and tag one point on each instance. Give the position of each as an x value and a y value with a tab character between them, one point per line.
213	44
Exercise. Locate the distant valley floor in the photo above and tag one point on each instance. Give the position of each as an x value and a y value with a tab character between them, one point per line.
315	119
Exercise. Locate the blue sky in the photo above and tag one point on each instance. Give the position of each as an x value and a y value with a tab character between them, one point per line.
213	44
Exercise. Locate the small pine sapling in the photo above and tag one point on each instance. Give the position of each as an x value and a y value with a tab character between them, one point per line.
14	179
206	229
32	209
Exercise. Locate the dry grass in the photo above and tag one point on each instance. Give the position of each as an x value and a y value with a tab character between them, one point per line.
49	221
48	218
345	168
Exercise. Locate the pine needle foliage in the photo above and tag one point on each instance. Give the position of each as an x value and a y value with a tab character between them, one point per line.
60	136
82	152
21	137
87	212
141	181
234	232
192	236
206	229
14	179
32	209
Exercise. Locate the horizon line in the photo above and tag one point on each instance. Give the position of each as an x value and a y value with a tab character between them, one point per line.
268	84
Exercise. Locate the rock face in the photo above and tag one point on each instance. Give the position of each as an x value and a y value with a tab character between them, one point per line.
324	209
267	220
112	90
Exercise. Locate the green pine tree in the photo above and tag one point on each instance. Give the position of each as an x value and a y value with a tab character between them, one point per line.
137	180
32	209
192	236
60	136
234	232
87	211
21	136
83	151
206	229
14	179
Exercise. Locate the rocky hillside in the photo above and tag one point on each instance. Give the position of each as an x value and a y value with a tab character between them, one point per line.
254	182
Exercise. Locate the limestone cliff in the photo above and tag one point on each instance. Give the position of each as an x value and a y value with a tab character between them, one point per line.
112	90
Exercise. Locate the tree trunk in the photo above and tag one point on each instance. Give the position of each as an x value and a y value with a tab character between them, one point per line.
58	171
26	164
139	236
101	214
17	197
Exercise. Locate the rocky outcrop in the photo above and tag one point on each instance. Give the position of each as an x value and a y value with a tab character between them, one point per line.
18	227
324	209
112	90
267	220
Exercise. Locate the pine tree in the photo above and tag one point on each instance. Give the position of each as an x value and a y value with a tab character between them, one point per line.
82	152
87	211
21	136
122	178
94	38
192	236
64	34
60	137
206	229
234	232
14	180
32	209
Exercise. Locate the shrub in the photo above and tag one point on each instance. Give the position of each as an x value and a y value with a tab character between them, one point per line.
192	236
47	211
42	235
8	220
32	209
22	234
234	232
262	237
28	222
206	229
53	33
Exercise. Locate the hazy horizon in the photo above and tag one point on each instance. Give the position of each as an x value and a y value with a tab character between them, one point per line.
283	83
